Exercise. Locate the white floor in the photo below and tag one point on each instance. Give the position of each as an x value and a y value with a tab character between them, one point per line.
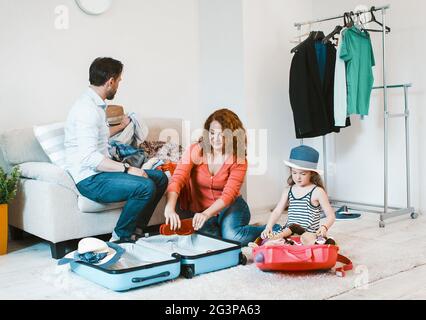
390	263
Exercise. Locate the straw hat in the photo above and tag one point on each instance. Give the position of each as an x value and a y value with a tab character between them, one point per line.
114	114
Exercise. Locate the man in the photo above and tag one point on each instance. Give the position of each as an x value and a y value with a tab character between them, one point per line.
97	176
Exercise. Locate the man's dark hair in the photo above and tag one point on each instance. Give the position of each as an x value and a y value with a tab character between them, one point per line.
102	69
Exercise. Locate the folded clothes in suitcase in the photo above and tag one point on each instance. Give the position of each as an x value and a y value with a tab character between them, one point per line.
199	253
138	266
300	257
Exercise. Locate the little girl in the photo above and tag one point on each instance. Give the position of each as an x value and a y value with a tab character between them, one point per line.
304	197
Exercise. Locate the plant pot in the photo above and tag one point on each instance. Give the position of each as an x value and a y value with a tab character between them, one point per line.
3	229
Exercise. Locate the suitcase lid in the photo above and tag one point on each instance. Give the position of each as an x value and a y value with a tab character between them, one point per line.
130	253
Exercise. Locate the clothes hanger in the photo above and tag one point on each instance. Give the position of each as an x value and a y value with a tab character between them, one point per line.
312	35
357	20
299	45
350	22
373	19
319	35
336	30
347	23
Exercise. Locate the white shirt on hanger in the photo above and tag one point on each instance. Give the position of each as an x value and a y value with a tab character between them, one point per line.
340	90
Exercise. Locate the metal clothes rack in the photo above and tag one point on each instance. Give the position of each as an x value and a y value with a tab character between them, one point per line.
386	211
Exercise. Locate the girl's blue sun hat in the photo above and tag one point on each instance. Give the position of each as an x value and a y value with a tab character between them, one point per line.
304	158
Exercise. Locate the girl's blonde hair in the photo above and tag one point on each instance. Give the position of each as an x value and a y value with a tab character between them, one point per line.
315	179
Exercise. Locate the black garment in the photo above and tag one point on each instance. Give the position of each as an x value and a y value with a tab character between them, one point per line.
312	100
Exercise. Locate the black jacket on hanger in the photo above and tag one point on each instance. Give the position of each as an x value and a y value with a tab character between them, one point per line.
312	100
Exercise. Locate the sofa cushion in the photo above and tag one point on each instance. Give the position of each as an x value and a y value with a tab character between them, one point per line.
48	172
51	138
90	206
21	145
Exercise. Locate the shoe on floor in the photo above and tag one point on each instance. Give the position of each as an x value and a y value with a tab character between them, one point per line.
347	216
344	215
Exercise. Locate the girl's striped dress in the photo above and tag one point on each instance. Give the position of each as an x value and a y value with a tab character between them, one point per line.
302	212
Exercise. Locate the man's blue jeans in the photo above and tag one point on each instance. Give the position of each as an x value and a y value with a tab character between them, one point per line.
142	196
232	223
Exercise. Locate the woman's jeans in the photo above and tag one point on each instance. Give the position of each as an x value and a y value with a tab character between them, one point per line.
142	196
230	224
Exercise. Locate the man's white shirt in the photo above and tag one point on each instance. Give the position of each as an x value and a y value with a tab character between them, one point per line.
86	136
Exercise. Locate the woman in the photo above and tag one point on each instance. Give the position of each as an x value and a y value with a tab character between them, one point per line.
206	183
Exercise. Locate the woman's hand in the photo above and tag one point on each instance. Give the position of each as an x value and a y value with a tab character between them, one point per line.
172	218
322	231
266	233
198	220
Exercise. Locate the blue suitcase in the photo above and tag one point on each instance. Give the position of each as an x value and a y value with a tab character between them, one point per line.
139	266
156	258
199	253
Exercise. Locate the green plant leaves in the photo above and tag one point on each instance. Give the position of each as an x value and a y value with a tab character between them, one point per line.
8	185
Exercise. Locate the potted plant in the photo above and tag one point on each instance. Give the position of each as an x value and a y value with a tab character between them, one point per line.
8	188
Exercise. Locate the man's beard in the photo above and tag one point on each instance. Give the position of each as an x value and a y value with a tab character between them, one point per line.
111	95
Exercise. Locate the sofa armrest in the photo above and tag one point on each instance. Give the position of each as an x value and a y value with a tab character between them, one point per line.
48	172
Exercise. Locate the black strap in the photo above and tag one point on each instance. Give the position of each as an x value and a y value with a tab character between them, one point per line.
312	190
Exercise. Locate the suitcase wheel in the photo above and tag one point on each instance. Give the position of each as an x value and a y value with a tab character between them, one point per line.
243	259
187	271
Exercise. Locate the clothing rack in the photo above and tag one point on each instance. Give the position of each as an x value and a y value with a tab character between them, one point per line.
385	212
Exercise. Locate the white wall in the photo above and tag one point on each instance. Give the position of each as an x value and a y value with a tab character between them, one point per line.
358	151
45	69
221	56
268	29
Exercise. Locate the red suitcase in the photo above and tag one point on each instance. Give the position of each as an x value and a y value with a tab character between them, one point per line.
300	258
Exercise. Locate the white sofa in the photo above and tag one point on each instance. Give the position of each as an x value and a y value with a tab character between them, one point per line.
48	204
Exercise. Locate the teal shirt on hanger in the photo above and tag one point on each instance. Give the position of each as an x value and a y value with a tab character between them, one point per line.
321	51
357	52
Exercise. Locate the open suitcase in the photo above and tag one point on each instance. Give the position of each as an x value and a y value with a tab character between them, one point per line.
159	258
300	258
199	253
139	266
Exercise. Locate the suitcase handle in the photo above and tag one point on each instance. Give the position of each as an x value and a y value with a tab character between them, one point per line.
301	255
142	279
347	265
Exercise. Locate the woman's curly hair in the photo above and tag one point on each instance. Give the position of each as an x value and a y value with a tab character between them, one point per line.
233	131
